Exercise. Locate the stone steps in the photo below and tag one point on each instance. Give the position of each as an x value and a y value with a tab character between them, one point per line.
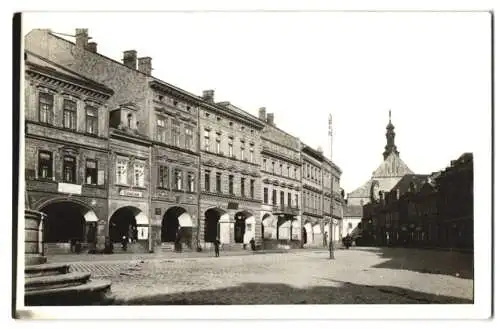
95	292
45	270
56	281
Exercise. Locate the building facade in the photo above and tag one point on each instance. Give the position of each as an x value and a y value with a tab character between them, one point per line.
281	185
312	198
230	196
66	153
431	211
166	115
140	158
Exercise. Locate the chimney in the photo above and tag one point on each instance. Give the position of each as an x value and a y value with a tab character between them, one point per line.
208	95
92	46
270	118
82	38
262	113
130	59
145	65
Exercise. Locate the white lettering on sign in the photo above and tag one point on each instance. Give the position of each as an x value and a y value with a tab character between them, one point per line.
137	194
69	188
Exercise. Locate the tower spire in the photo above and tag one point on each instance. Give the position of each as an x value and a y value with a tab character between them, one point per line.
390	135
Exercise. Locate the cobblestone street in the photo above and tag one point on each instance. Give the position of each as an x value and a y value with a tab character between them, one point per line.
360	275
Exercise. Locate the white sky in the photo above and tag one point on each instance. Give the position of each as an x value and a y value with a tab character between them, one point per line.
431	69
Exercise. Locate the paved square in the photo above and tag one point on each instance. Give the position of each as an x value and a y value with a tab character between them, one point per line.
360	275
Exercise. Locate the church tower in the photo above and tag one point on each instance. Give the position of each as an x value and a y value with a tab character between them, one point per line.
390	135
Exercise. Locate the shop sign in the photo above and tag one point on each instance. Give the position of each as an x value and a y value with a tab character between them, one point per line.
136	194
142	232
232	205
69	188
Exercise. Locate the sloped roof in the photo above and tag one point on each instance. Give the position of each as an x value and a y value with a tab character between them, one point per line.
362	191
34	60
393	166
404	184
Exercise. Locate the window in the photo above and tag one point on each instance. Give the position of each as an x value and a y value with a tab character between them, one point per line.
45	164
207	180
281	169
272	167
161	129
296	200
176	133
69	169
230	124
217	143
218	187
264	164
91	172
252	188
163	177
266	196
46	107
129	121
274	197
289	199
69	114
282	198
121	171
178	179
289	171
231	184
139	174
91	120
230	146
189	137
207	140
251	153
242	186
242	150
190	182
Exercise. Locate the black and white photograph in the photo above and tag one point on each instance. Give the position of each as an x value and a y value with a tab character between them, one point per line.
251	158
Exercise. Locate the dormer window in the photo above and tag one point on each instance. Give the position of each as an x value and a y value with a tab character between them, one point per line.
129	121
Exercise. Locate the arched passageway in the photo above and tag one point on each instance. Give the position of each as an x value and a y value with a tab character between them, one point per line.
269	226
244	227
307	231
123	223
177	226
213	230
65	222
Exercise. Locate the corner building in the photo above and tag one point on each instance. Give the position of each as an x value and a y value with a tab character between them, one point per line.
230	196
66	153
281	185
163	177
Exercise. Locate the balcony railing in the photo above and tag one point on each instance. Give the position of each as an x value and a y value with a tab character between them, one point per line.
291	210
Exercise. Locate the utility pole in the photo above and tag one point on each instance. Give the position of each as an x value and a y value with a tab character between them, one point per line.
330	134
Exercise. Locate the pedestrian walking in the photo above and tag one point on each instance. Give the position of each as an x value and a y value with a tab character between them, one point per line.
216	247
252	244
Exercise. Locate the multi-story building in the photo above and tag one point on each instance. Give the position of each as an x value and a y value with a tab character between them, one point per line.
312	197
162	113
230	199
130	177
456	204
66	152
281	185
433	210
332	200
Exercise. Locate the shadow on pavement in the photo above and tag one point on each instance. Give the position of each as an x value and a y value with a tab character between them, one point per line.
272	293
451	263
